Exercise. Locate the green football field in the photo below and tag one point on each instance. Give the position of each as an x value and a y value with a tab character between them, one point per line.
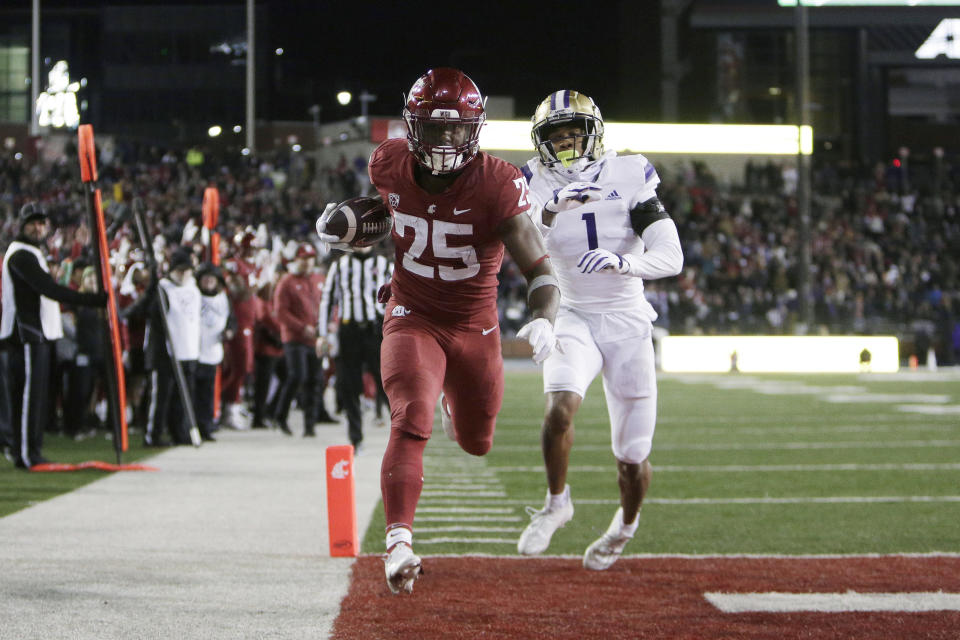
742	465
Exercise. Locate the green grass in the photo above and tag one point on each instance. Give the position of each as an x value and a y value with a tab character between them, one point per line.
20	489
868	499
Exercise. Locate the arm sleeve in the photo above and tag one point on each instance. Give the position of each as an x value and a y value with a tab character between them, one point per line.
139	307
663	257
26	267
513	197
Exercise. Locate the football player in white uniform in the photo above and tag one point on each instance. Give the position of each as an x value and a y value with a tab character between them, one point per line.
606	232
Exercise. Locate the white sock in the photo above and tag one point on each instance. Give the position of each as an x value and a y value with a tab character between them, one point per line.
559	500
629	529
399	534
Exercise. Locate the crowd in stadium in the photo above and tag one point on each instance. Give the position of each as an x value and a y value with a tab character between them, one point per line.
885	245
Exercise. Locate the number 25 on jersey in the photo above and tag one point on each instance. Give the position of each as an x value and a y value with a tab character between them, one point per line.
437	240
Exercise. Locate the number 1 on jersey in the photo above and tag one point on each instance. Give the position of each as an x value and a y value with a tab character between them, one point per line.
591	220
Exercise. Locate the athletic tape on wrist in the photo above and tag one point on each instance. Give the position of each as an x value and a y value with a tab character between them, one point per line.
545	280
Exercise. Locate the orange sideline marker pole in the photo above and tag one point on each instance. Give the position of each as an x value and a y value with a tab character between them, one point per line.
341	503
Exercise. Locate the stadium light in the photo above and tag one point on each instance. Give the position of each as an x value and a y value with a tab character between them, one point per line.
344	97
514	135
214	131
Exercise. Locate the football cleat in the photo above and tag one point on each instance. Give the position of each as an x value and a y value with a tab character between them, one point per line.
604	552
446	419
402	567
543	523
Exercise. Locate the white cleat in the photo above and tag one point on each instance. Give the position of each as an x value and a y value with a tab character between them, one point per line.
446	420
536	537
604	552
402	567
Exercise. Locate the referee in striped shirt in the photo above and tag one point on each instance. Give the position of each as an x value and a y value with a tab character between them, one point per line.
351	288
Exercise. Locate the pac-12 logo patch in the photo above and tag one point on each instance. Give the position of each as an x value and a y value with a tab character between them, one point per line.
394	199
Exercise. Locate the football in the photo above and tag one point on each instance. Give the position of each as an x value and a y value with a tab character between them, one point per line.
360	222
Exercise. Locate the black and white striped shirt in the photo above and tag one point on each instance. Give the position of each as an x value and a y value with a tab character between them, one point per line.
351	286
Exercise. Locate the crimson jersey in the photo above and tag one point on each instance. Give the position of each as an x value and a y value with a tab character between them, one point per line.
448	251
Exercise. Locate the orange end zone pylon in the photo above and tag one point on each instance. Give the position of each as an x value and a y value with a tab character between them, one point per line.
211	243
341	503
117	386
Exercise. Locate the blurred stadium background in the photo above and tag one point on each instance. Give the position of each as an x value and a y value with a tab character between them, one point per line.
858	237
849	232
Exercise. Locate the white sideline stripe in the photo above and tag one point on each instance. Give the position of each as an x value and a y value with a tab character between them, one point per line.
774	602
463	510
942	410
422	541
736	468
467	518
455	529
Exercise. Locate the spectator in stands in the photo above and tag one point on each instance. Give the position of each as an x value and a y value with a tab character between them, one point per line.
215	326
296	303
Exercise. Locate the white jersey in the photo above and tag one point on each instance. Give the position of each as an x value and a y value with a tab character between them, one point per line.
626	182
214	315
183	318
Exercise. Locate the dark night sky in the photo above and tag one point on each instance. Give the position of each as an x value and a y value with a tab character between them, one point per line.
508	48
608	49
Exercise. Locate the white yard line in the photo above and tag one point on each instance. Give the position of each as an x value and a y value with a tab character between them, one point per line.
774	602
465	529
756	500
769	446
447	540
466	518
940	410
737	468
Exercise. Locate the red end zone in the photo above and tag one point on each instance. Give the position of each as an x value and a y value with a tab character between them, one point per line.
506	598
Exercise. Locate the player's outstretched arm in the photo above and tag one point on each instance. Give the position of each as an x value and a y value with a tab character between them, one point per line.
525	245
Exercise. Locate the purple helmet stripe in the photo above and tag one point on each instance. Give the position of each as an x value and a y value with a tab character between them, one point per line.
553	102
649	172
566	99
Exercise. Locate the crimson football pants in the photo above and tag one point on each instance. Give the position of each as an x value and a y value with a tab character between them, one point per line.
419	358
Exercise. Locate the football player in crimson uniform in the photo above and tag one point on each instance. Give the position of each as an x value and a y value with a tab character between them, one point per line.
606	232
454	209
238	360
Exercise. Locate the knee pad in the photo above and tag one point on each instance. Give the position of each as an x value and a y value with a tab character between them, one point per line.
633	452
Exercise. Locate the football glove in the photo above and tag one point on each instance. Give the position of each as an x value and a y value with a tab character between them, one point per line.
603	261
329	241
572	196
539	333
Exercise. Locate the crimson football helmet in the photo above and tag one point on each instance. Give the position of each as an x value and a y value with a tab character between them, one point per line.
444	113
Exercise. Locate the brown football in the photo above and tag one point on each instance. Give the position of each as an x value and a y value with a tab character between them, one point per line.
360	222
